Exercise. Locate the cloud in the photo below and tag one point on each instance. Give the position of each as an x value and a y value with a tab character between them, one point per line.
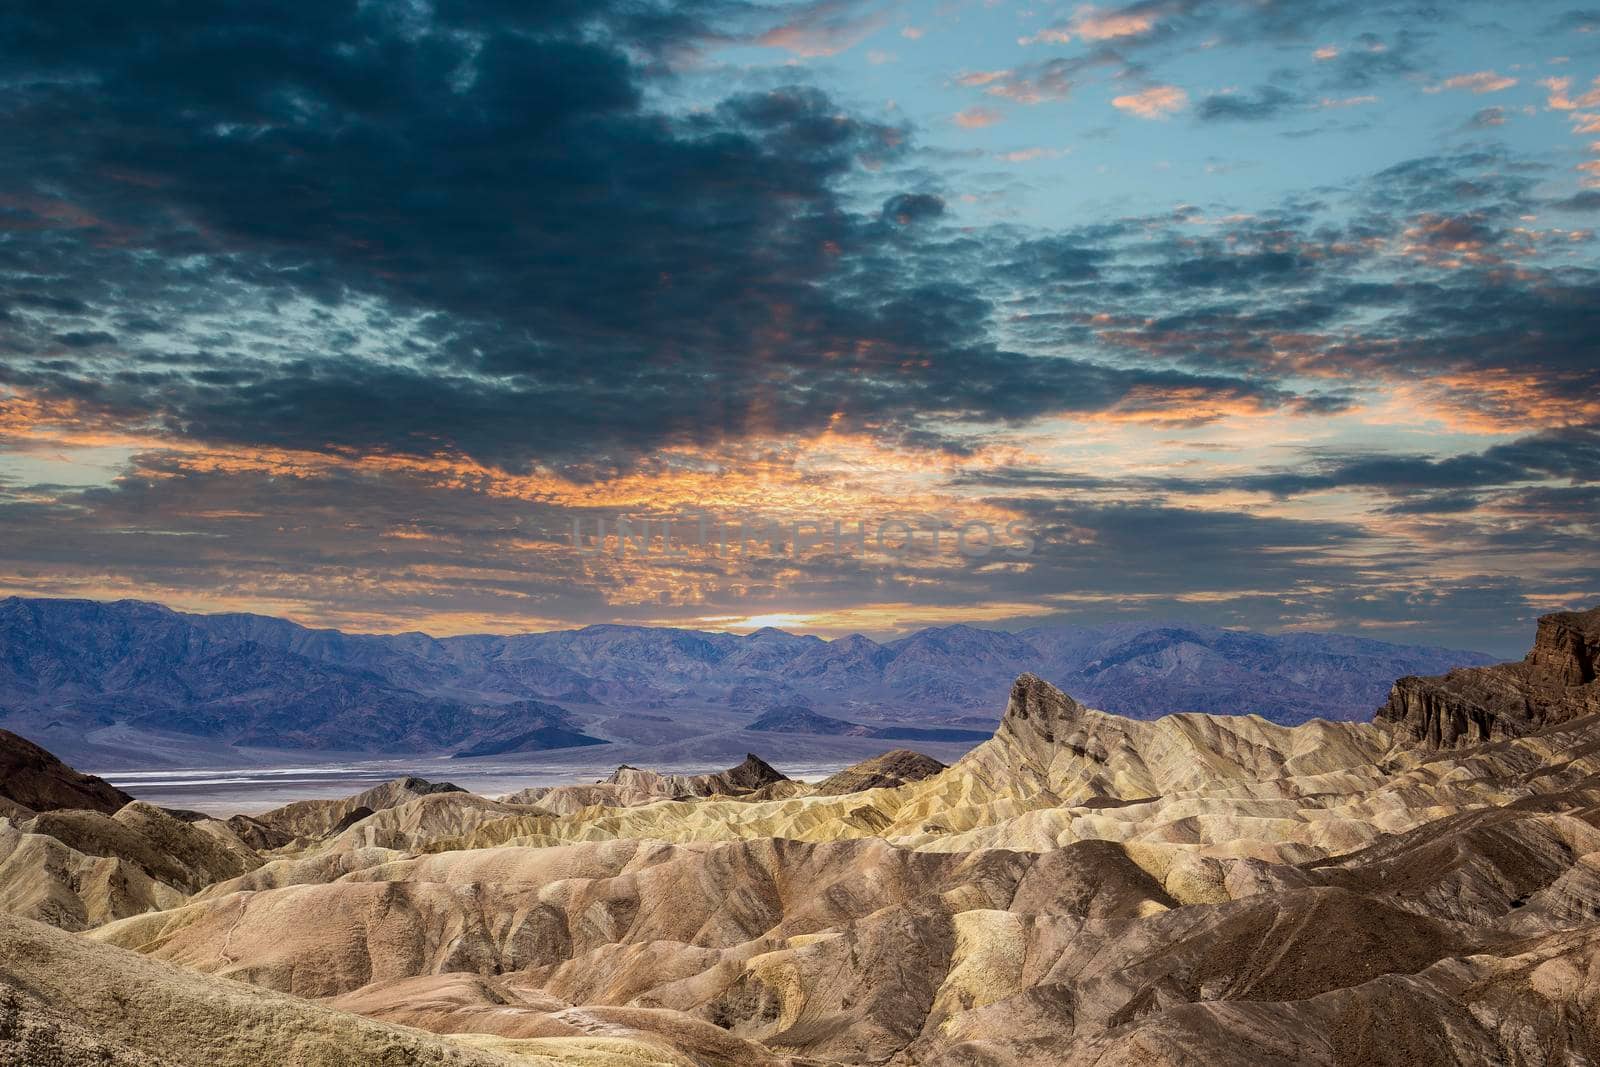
824	28
1328	103
1048	35
1484	81
906	208
1090	23
1587	200
1031	84
1560	96
1267	102
1028	155
1487	118
1094	24
974	118
1564	454
1156	102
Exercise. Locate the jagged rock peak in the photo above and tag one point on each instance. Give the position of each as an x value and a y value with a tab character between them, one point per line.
1036	701
752	774
1025	746
421	786
1554	683
755	772
1566	648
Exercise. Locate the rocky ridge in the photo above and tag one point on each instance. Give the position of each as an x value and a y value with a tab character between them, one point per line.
1556	682
114	682
32	780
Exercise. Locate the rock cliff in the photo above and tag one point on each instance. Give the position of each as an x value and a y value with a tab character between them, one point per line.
1554	683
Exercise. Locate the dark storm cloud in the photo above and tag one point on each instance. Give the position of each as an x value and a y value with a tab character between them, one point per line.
578	271
906	208
1436	504
1160	549
1266	102
1571	454
1587	200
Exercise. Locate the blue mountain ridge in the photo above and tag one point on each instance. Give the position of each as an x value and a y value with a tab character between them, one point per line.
71	666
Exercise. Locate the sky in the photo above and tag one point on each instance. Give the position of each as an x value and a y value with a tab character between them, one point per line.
1261	314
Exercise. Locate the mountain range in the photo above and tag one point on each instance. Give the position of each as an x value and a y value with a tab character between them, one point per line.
1082	889
131	677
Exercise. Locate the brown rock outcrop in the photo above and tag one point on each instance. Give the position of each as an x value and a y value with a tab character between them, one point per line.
67	1002
1555	683
887	771
34	779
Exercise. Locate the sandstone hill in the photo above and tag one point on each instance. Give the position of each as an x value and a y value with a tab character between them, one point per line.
631	786
1083	888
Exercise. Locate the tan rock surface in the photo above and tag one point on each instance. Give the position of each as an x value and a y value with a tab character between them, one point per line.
1081	889
65	1002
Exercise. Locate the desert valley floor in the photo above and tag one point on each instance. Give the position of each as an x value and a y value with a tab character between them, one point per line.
1083	888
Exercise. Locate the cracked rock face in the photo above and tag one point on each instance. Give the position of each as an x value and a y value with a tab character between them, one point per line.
1555	683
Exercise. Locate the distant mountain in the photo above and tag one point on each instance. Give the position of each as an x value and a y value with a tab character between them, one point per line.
539	739
126	672
797	720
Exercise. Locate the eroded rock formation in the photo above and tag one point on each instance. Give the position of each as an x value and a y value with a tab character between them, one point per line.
1554	683
1081	889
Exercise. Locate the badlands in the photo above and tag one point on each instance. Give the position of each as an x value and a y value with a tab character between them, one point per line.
1083	888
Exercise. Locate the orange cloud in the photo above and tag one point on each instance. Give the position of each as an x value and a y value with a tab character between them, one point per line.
1046	36
976	118
1157	102
823	29
1028	155
1560	98
1493	402
1094	25
1182	406
978	78
1483	81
